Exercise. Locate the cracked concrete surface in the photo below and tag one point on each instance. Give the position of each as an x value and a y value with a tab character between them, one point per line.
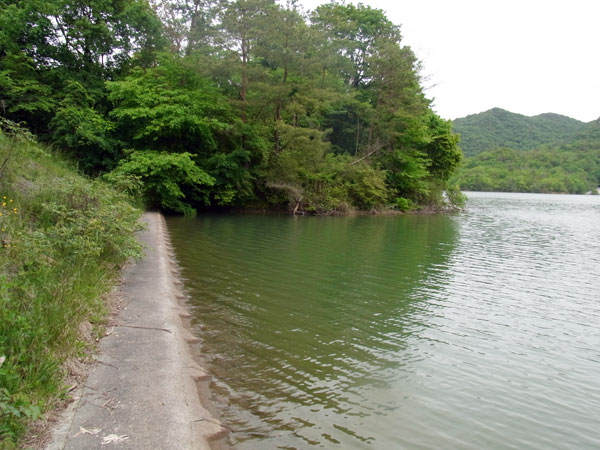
145	391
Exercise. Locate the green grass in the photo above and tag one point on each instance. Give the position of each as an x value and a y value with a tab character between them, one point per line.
63	239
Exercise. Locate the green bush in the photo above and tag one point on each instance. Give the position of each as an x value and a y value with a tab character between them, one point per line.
403	204
455	197
170	180
367	187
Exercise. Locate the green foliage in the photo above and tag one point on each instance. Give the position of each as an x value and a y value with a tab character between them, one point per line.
169	107
571	169
233	183
45	45
354	30
63	239
15	133
25	97
366	186
455	197
499	128
168	179
443	151
569	162
255	105
407	174
82	132
403	204
15	411
300	167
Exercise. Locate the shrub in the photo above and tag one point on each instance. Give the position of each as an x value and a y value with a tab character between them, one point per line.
403	204
170	180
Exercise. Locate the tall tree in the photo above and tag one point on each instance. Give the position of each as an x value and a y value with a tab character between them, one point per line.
242	22
188	24
354	31
46	44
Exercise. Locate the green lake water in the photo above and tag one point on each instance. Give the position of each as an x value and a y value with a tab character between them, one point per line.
468	331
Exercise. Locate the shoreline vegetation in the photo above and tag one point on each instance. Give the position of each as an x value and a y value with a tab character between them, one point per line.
238	104
64	239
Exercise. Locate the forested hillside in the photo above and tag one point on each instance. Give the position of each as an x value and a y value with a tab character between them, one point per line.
571	165
247	103
497	128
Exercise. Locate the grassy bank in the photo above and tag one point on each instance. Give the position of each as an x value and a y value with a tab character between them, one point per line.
63	238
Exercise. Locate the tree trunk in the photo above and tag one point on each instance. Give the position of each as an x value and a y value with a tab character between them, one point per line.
244	86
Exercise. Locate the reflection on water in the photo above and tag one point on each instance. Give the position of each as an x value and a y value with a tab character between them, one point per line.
472	331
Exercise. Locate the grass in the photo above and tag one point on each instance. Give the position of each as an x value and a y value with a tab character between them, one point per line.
63	239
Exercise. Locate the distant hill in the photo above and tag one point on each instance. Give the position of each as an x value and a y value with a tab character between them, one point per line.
497	128
515	153
589	132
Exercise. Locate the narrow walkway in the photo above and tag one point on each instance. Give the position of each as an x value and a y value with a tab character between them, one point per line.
143	390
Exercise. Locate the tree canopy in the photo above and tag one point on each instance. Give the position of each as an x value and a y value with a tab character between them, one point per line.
248	103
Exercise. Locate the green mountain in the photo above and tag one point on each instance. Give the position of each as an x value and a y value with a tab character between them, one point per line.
510	152
589	132
500	128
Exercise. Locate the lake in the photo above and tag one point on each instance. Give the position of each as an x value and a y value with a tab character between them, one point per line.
467	331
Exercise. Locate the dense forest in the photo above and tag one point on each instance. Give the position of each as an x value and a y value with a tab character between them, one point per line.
500	128
216	103
510	152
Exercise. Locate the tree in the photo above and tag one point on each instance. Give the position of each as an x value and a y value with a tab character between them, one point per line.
80	130
188	24
44	45
25	97
171	181
241	24
170	107
442	149
322	114
354	31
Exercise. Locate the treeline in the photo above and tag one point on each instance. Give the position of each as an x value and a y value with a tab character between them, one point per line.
572	168
214	103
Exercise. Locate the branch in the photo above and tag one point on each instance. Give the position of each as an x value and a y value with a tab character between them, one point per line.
364	157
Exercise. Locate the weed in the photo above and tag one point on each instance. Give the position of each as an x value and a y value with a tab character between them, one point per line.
63	240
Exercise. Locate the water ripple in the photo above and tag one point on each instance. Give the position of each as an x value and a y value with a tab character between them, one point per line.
466	332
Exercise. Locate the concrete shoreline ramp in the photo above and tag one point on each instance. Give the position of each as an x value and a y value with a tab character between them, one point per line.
145	391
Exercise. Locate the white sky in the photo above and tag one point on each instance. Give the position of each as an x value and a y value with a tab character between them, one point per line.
526	56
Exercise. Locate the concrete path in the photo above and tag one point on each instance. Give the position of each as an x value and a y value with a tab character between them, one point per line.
144	391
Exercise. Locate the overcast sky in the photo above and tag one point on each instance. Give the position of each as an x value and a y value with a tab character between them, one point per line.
526	56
